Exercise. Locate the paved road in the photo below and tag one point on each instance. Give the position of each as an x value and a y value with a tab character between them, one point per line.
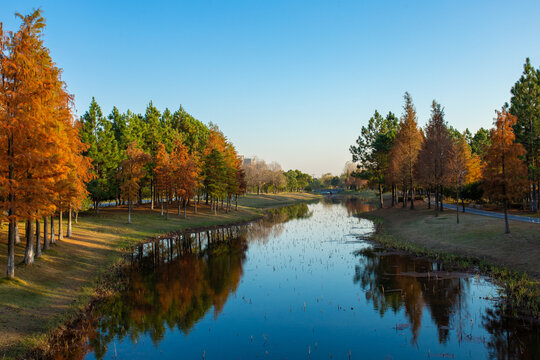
494	214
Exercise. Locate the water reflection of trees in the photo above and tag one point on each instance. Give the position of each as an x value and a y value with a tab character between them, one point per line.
174	282
446	297
357	205
175	294
511	338
273	224
412	291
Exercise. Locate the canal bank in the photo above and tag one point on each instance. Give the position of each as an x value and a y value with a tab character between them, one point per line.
477	243
53	290
304	282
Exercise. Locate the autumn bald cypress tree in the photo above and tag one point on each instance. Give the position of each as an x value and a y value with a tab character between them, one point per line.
432	166
407	145
131	172
504	173
35	123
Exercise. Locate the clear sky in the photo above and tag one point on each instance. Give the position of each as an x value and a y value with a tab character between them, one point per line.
291	81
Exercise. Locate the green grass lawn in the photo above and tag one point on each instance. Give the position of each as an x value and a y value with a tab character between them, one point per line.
49	292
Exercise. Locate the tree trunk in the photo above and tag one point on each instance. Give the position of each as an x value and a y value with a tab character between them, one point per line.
152	194
437	200
380	196
404	197
185	210
10	271
53	235
69	228
46	245
17	233
76	217
96	206
129	211
457	203
236	202
178	201
428	198
167	215
441	208
506	226
38	239
412	198
195	203
29	253
534	198
161	200
60	231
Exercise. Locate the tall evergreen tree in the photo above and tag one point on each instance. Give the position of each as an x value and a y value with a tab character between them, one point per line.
372	150
525	105
98	134
480	142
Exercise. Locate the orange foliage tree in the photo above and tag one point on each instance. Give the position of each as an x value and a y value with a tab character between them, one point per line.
131	172
164	176
37	140
186	173
505	175
405	151
463	168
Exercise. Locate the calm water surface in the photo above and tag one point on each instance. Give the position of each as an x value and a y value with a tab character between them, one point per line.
301	284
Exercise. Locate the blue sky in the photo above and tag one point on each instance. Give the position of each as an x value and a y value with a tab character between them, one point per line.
291	81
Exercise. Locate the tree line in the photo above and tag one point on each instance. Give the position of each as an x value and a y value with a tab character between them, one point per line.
264	178
53	162
165	156
498	165
42	168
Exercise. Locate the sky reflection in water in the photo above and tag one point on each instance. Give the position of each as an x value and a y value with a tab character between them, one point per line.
300	284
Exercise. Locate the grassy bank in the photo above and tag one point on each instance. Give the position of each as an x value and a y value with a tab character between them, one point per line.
61	282
477	241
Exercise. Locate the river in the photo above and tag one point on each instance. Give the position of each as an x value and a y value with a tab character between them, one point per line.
303	283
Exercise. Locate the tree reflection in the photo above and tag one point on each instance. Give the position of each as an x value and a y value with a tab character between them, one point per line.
395	282
175	281
511	338
357	206
273	223
175	294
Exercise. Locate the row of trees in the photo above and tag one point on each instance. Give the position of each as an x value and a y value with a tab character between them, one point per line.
51	162
42	167
162	155
263	177
500	165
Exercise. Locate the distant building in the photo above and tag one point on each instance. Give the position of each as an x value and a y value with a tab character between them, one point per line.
247	161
